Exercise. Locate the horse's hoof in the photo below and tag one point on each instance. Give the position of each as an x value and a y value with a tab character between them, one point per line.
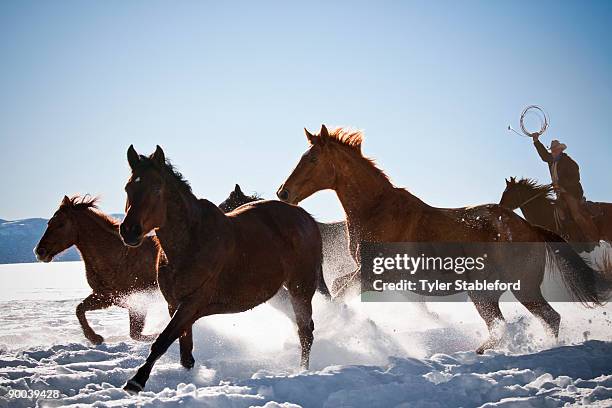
96	339
188	362
133	387
480	350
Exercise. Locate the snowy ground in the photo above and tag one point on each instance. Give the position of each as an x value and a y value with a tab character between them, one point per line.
364	355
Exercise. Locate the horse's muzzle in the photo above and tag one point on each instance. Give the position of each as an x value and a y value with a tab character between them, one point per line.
131	234
42	254
282	194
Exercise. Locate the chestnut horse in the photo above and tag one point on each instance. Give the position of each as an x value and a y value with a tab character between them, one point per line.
113	271
377	211
220	263
538	206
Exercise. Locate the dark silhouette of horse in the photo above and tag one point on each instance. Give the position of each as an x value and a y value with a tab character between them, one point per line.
539	207
113	270
220	263
236	199
377	211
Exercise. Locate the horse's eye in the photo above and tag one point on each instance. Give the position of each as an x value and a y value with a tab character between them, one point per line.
314	159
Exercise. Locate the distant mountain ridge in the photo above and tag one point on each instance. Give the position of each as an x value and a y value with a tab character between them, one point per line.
18	239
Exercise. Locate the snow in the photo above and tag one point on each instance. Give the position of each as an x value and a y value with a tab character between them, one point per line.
364	355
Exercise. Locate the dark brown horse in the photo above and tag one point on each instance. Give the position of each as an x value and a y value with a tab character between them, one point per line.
336	258
377	211
113	271
236	199
220	263
539	206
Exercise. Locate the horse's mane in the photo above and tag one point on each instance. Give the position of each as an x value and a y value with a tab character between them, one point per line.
347	136
178	177
169	169
88	202
531	184
79	202
353	138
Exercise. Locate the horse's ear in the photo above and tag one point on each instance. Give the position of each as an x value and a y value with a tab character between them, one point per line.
324	133
65	200
159	156
133	157
312	139
507	182
512	180
237	189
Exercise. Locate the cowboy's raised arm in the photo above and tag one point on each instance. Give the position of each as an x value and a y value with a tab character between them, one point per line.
544	154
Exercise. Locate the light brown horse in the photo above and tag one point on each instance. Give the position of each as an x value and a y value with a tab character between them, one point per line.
377	211
113	271
220	263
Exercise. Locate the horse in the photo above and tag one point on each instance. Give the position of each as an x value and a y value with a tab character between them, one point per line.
113	271
539	207
336	258
221	263
377	211
237	198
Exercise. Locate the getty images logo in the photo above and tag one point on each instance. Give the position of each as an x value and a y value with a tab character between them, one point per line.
414	264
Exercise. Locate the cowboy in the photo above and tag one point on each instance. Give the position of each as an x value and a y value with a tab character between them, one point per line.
565	175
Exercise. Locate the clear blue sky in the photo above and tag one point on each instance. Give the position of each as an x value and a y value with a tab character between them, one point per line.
226	88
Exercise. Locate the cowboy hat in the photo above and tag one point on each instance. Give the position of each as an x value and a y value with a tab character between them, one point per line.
555	144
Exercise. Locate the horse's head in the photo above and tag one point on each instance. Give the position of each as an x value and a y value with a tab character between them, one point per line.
61	232
511	198
236	199
145	208
314	172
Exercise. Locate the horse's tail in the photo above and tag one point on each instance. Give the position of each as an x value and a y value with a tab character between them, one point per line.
584	283
322	286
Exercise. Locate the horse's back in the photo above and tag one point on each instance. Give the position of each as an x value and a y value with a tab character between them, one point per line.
274	243
273	213
276	226
488	223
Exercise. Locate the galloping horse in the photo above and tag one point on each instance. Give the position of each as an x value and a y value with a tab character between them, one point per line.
538	207
336	259
377	211
220	263
113	271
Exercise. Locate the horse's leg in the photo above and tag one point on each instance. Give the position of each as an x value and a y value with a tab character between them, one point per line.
185	315
92	302
302	308
137	322
488	308
185	344
540	308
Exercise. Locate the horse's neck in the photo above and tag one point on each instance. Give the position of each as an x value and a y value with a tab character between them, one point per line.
539	211
98	243
361	188
182	229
